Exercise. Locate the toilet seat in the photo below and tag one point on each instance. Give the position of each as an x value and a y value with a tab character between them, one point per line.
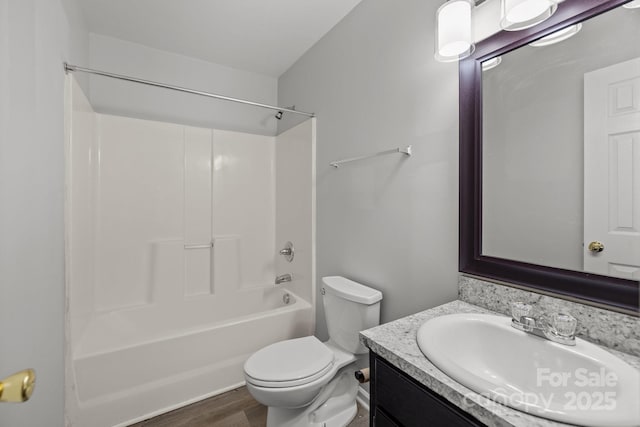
289	363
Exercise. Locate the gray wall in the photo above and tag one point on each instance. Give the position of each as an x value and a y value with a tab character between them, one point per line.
36	36
388	222
533	141
135	100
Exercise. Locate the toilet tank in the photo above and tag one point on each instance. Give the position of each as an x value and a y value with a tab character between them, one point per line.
349	308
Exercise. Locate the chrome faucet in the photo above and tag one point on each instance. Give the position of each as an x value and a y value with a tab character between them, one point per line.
559	327
283	278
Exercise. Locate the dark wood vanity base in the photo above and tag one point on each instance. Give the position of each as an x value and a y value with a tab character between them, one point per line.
399	401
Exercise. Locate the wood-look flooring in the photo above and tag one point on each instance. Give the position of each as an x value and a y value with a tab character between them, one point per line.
235	408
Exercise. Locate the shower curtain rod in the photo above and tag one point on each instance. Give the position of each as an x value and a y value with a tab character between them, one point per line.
74	68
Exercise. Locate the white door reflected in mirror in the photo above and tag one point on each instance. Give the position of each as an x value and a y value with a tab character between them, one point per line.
612	169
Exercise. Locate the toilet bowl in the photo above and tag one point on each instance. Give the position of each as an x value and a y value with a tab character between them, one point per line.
295	388
306	382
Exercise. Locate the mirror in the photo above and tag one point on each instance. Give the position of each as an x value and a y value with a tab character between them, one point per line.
537	206
550	156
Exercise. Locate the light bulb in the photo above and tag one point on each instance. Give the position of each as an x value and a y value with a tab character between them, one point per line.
453	31
557	36
491	63
520	14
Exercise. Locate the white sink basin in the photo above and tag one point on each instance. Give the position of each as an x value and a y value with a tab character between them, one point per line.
581	384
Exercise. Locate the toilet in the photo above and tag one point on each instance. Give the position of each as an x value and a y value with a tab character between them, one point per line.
309	383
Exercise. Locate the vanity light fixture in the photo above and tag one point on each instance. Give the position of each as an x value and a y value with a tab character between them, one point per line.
557	36
453	31
520	14
454	24
491	63
632	5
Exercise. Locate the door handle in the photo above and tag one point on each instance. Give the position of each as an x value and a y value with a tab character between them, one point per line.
18	387
596	246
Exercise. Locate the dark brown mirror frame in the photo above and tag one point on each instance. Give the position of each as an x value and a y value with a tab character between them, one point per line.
591	288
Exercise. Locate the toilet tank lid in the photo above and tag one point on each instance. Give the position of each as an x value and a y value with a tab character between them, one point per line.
350	290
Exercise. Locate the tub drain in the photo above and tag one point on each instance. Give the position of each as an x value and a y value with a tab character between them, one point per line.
286	298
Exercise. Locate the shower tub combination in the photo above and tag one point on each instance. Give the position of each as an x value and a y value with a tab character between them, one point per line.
162	363
172	252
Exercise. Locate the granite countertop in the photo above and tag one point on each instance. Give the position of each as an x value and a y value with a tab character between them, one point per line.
396	342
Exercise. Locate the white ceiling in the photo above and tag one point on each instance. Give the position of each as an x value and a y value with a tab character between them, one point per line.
263	36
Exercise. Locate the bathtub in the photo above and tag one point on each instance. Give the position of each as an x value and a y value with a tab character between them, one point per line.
132	364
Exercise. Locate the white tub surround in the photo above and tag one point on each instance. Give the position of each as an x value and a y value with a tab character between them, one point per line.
171	260
296	205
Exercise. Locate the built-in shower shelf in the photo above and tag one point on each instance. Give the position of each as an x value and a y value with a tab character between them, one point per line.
203	246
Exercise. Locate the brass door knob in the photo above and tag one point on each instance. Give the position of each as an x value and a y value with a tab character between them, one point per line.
18	387
596	246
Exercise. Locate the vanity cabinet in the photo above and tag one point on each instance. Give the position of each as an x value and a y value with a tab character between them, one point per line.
399	401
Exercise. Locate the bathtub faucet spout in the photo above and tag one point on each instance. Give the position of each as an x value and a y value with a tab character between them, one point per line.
283	278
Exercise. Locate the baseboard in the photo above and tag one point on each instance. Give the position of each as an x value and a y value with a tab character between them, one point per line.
181	405
363	398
